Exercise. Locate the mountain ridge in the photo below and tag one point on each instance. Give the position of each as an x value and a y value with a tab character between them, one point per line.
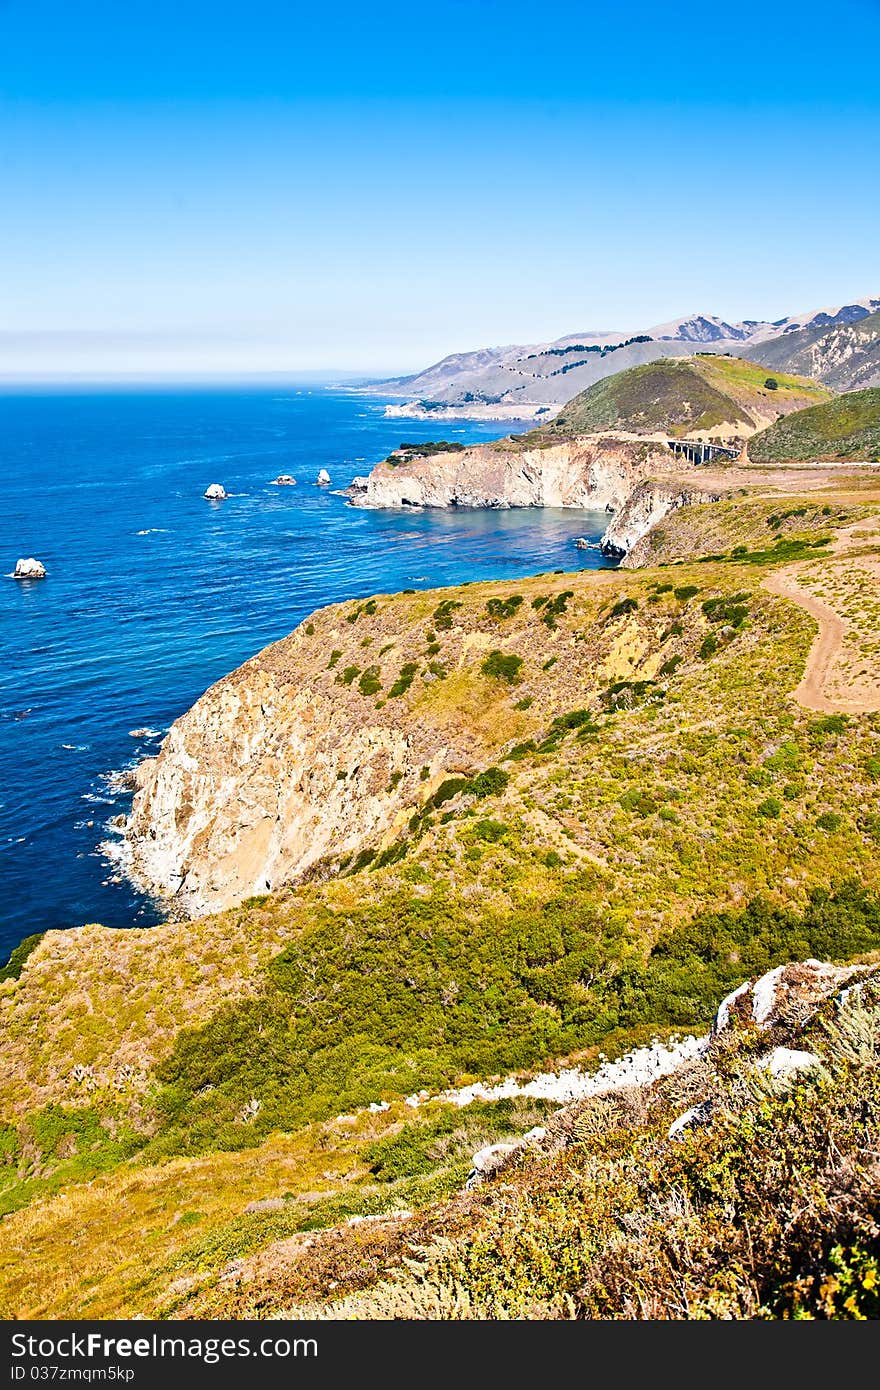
531	379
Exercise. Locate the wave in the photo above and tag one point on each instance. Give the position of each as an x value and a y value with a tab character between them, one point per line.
153	531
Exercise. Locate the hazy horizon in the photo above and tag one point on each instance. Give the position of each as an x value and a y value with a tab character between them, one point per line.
204	191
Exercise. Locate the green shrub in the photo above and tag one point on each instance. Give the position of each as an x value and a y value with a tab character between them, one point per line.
687	591
770	808
404	680
503	667
490	830
622	607
334	657
15	964
369	683
504	608
492	782
829	820
442	614
554	608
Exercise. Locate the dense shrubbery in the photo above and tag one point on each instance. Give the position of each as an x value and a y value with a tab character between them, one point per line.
15	964
419	995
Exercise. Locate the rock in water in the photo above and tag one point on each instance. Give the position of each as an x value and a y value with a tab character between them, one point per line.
216	492
284	480
323	478
29	569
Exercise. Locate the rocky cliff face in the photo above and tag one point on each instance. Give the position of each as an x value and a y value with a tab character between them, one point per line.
248	791
324	743
596	472
634	478
645	508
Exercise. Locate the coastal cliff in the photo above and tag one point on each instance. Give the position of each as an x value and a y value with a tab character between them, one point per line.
597	473
631	444
645	507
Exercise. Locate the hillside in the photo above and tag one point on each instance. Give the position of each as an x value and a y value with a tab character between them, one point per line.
597	807
845	357
847	428
702	395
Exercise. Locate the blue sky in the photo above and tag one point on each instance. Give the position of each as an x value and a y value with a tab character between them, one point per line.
249	187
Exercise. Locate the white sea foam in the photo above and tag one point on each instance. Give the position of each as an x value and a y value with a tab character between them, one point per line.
153	531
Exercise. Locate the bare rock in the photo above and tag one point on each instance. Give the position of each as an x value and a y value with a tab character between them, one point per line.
29	569
216	492
790	994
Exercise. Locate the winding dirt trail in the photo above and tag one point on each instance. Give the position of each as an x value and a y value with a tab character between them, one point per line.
814	689
826	648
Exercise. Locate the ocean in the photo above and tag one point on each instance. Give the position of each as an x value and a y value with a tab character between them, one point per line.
153	593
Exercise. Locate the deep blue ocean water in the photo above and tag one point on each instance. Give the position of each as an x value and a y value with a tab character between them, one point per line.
153	593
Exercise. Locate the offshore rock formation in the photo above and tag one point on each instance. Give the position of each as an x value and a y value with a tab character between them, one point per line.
215	492
29	569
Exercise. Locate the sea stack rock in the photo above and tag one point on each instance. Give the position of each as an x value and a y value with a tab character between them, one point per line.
29	569
216	492
323	478
284	480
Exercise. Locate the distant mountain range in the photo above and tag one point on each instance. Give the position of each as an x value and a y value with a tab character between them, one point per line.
839	346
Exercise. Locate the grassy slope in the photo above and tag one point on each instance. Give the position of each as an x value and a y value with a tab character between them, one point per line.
680	396
513	930
845	428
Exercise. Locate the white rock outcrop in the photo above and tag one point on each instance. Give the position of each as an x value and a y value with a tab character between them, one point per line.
29	569
789	994
284	480
323	478
216	492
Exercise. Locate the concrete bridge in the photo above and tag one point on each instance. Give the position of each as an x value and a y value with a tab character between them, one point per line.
695	451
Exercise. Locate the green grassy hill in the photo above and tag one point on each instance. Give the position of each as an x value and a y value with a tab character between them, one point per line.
683	396
846	428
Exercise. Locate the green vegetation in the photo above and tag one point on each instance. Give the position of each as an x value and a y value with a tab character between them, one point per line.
504	608
442	614
747	1215
365	1007
675	395
407	452
369	682
503	667
847	427
404	680
15	964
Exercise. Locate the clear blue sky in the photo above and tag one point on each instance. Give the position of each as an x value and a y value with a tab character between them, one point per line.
233	187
